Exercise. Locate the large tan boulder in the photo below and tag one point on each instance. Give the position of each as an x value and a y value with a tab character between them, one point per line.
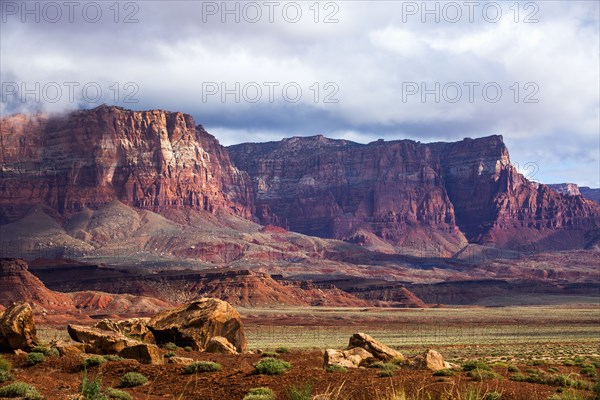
134	328
431	360
196	323
219	344
379	350
180	360
17	328
68	348
143	352
99	341
351	358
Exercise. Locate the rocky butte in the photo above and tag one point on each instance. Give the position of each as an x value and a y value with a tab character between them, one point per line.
151	159
397	196
409	194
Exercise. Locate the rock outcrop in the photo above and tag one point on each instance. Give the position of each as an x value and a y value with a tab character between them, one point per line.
153	159
351	358
431	360
17	328
379	350
18	284
197	323
219	344
133	327
99	341
428	198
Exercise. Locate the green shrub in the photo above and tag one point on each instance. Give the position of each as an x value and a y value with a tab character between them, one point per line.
482	374
5	376
20	389
132	379
596	390
336	368
170	354
569	363
536	363
282	350
5	364
188	348
171	346
91	390
384	366
112	357
117	394
444	372
272	366
93	361
202	366
475	364
588	370
35	358
513	368
261	393
566	396
47	351
303	392
386	373
270	354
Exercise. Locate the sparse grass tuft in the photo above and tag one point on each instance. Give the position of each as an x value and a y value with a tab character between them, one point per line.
171	346
5	364
93	361
336	368
475	364
91	390
5	376
20	389
272	366
282	350
260	393
202	366
132	379
47	351
444	372
117	394
302	392
482	374
35	358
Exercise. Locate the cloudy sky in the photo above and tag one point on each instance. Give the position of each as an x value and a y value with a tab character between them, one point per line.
360	70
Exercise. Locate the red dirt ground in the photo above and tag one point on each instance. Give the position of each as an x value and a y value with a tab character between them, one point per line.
59	378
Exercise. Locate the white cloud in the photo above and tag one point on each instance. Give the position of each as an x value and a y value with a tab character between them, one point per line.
371	54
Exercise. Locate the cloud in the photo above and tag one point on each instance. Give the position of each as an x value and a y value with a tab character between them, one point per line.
386	73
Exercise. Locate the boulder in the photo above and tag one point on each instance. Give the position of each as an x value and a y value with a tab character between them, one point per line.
196	323
17	328
379	350
180	360
219	344
144	353
133	328
352	358
99	341
431	360
69	348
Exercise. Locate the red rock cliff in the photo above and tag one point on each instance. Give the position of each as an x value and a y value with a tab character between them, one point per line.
151	159
408	194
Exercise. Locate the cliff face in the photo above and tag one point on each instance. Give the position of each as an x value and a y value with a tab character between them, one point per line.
411	194
153	159
339	189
